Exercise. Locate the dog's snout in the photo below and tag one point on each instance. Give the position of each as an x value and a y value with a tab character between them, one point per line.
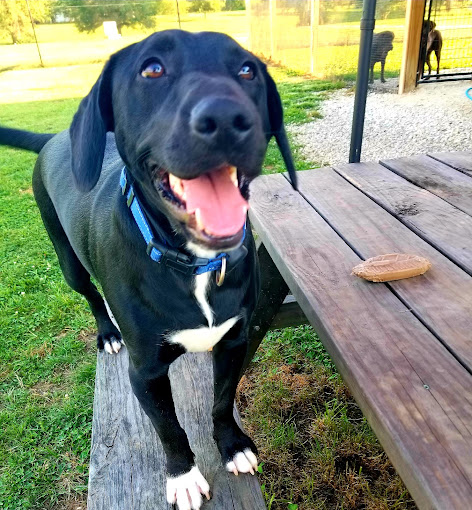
220	118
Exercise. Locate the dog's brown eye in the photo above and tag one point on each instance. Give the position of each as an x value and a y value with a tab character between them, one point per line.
247	72
153	70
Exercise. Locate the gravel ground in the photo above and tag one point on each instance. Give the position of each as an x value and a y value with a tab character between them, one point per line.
433	118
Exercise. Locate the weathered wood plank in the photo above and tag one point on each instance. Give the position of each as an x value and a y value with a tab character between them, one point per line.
436	177
441	298
415	394
461	161
127	466
440	224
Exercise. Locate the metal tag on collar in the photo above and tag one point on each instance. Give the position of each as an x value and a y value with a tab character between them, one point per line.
220	274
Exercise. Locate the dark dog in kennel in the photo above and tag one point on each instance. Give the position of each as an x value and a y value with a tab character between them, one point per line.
431	40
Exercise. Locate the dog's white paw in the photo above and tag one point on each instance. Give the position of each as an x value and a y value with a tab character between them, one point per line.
185	490
243	462
112	345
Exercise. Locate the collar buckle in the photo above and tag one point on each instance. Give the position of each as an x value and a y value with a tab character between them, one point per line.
176	259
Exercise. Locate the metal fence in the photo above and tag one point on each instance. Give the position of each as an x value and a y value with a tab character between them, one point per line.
447	37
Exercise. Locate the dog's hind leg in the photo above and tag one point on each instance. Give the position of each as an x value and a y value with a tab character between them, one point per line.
428	61
438	58
75	274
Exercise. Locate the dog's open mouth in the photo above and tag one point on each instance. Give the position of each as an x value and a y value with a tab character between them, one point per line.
211	206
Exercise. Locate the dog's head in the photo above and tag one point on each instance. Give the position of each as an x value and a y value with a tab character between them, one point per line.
192	116
428	26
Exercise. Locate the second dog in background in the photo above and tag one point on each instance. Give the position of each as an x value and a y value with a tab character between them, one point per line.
382	43
431	40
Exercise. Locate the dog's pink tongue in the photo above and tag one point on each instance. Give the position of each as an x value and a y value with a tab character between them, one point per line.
217	203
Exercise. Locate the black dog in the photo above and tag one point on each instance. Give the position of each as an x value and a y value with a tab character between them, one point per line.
431	40
382	43
191	115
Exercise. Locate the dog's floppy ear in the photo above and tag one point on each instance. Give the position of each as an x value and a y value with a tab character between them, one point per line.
276	118
88	132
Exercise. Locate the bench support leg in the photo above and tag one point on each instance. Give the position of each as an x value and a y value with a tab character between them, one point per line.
273	292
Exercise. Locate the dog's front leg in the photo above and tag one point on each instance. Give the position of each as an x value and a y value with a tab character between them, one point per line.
382	71
185	483
236	448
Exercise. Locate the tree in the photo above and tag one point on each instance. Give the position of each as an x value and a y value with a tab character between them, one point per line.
390	8
234	5
200	6
204	6
88	15
15	19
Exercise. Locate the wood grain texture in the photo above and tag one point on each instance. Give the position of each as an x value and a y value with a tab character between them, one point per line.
127	464
441	298
440	224
440	179
415	394
411	45
461	161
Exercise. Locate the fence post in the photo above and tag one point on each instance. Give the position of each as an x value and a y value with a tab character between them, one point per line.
362	80
411	44
272	16
314	29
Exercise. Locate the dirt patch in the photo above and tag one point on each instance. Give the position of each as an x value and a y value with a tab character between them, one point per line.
89	338
42	351
72	503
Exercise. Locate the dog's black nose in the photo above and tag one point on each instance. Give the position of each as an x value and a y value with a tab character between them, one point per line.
221	119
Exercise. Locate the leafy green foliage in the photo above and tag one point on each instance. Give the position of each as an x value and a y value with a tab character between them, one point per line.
15	19
88	15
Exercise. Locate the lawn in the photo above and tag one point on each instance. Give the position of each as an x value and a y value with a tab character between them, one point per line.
317	451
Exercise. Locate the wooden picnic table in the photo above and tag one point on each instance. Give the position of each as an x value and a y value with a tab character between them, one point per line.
404	348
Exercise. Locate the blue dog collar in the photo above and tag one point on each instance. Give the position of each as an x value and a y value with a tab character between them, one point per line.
159	250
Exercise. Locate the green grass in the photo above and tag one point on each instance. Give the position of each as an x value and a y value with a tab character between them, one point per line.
47	363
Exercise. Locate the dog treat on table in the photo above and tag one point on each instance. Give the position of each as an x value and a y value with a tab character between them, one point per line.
392	266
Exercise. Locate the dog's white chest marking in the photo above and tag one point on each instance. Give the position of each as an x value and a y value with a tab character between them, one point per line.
205	337
200	292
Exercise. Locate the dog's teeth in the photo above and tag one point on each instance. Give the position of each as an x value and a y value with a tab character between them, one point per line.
176	184
233	173
198	219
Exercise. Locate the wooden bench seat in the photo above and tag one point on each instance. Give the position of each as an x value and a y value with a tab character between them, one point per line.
127	465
